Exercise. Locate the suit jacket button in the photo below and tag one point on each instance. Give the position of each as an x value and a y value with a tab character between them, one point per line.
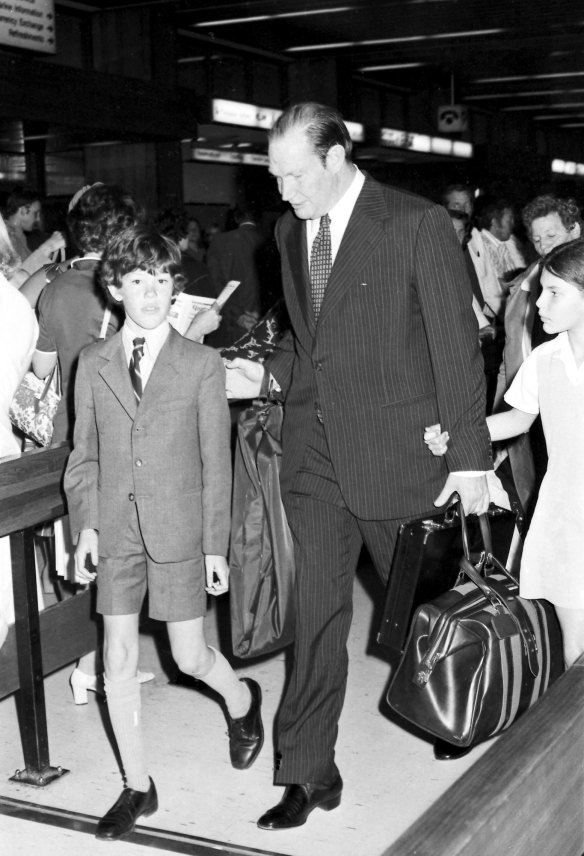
138	462
131	497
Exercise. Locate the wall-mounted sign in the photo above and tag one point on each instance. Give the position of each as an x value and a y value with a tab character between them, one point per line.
28	24
452	118
395	138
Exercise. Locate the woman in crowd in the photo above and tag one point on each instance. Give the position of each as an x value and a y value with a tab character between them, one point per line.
18	334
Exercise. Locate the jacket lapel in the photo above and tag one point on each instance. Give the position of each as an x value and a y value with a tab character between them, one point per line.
116	375
367	226
164	371
298	262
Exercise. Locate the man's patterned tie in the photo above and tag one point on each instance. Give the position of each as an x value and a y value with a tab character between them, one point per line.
320	262
135	375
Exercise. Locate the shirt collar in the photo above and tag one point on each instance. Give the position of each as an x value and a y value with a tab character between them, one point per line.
155	339
340	213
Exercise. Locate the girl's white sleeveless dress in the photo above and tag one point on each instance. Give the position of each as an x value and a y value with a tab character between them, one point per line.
552	564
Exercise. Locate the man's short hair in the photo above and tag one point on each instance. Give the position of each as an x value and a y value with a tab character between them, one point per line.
491	208
323	126
567	210
139	248
19	198
99	214
457	188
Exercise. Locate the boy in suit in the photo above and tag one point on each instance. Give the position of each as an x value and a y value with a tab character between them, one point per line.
148	486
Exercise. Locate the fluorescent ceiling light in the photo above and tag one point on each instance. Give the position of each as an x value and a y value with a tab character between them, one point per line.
533	94
394	41
573	125
528	77
393	66
185	59
253	19
523	107
548	118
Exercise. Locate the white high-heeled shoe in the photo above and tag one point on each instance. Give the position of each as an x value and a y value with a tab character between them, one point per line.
81	684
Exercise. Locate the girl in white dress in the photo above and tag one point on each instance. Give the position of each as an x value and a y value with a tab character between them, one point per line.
551	382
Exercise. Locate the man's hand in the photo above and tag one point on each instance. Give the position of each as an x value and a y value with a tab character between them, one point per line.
86	546
243	378
53	244
217	575
473	492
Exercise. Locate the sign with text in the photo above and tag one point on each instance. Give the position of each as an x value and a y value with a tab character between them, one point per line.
28	24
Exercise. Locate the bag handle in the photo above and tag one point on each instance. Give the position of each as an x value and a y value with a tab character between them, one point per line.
508	604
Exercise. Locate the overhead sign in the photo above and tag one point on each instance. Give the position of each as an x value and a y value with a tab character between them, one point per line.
226	156
394	138
28	24
247	115
252	116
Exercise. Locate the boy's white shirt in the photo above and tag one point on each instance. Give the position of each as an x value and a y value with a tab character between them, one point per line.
154	341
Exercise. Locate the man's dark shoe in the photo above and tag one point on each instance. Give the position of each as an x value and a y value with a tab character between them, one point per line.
444	751
246	734
299	800
121	819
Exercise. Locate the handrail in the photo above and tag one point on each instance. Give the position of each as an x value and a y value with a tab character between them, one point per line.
31	493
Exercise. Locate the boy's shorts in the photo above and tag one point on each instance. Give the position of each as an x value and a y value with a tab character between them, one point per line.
176	590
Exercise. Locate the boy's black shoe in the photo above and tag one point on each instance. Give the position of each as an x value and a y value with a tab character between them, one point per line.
246	733
121	819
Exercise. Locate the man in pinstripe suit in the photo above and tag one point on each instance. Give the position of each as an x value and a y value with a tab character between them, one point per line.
391	348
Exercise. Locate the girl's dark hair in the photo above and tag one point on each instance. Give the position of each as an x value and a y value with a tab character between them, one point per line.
567	262
323	126
99	214
139	247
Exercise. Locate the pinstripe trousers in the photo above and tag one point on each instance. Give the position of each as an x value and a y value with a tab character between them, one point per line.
327	543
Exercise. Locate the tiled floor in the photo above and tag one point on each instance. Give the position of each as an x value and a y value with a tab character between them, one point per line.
390	775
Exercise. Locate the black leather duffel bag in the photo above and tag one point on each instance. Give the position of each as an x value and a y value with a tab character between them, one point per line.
477	657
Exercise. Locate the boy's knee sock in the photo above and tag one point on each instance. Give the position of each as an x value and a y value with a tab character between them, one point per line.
123	701
223	680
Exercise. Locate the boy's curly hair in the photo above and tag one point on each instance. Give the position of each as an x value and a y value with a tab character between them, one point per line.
139	247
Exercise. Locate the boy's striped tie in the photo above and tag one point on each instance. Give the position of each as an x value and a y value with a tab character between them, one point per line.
135	375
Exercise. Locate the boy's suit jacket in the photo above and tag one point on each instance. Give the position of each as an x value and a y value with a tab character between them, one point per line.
169	456
395	349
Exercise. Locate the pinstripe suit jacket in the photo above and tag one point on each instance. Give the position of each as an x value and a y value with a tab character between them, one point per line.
169	454
395	349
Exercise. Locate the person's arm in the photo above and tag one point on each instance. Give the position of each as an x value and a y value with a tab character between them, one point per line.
214	435
81	474
203	323
32	287
43	363
503	426
44	254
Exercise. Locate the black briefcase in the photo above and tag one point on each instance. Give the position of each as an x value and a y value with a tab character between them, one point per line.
426	563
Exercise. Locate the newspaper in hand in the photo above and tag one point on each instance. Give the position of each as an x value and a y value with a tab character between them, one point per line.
186	306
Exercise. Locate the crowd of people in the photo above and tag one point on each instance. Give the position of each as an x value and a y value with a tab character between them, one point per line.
400	313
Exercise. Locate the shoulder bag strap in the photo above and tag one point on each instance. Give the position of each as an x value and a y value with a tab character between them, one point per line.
104	324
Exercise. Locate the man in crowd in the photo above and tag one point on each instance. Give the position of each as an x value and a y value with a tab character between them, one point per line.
23	215
383	343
